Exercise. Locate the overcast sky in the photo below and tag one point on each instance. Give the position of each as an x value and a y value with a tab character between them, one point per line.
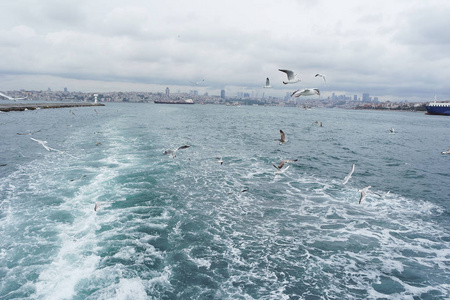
393	49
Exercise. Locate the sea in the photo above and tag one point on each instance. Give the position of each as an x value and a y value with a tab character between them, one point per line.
188	227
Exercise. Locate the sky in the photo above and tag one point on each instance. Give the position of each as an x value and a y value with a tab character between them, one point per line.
392	49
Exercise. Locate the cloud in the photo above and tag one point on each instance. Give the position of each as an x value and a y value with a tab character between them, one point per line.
390	48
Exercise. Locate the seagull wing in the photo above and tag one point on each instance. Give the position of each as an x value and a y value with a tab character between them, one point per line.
349	174
282	171
289	73
183	147
296	91
363	196
283	136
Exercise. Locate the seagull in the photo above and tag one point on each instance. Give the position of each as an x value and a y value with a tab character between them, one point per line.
97	205
267	83
446	152
283	162
219	160
392	130
198	82
282	139
363	193
281	171
382	196
44	144
292	78
73	179
321	75
349	174
29	132
11	98
306	92
318	123
174	151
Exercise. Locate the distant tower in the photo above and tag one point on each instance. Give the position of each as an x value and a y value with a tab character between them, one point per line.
65	90
222	94
95	98
167	91
365	97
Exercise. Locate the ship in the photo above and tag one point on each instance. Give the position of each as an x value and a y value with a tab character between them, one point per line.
438	108
187	101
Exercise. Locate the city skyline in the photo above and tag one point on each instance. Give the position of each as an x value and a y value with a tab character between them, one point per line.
394	50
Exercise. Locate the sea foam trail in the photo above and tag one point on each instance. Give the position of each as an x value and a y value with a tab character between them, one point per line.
188	227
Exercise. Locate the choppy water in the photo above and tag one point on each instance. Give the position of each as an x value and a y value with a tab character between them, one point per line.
183	229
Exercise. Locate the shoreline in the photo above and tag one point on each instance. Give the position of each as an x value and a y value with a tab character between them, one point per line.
33	106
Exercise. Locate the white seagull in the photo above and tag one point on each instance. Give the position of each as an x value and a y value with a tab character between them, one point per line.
282	138
11	98
349	174
363	193
281	171
321	75
44	144
97	205
292	78
173	152
446	152
219	160
283	162
267	83
198	82
306	92
392	130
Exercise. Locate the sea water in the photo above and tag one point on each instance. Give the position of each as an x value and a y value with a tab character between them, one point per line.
190	228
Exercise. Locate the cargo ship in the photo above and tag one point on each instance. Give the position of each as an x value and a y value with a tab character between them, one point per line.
438	108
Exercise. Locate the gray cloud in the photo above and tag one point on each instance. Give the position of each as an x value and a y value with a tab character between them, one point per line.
392	50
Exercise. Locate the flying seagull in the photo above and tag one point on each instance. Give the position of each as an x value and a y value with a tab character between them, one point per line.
29	132
283	162
219	160
282	138
321	75
11	98
97	205
173	152
446	152
292	78
306	92
392	130
198	82
381	195
267	83
349	174
363	193
281	171
44	144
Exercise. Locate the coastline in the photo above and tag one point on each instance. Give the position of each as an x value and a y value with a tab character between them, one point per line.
33	106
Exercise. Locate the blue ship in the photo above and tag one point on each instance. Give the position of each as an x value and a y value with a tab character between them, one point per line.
436	108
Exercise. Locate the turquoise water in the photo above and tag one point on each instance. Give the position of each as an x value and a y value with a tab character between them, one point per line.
182	228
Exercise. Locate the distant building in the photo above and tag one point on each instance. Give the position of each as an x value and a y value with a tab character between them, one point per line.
365	97
167	91
222	94
65	90
355	97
